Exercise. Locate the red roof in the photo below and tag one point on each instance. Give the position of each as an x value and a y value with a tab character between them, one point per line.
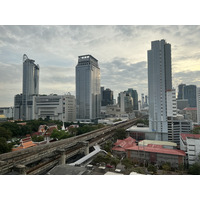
189	108
185	135
158	150
121	145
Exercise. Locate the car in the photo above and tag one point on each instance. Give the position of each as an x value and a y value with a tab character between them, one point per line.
109	166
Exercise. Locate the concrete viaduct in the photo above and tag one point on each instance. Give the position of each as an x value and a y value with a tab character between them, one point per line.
37	159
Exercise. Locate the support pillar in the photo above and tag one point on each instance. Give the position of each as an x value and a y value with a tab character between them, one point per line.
21	169
86	143
62	157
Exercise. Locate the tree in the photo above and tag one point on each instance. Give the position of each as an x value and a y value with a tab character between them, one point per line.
194	169
60	134
152	168
120	134
127	163
36	138
5	133
4	147
166	166
196	130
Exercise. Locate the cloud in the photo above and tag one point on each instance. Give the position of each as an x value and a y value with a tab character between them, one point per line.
120	50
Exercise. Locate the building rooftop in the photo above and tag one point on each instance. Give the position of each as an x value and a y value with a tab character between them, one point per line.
158	150
188	135
156	142
189	109
138	129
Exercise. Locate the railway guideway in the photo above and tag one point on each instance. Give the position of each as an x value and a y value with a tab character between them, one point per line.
9	161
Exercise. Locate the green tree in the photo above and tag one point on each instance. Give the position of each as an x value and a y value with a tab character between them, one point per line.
13	127
36	138
166	166
194	169
196	130
114	161
120	134
5	133
127	163
4	147
60	134
152	168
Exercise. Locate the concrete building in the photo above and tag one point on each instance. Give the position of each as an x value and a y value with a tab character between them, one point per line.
182	103
107	97
190	114
164	144
88	96
159	81
144	133
134	95
190	94
181	91
156	155
30	86
125	102
55	107
18	107
190	143
176	127
171	103
198	105
7	111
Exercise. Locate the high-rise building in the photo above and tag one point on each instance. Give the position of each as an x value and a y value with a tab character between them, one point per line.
125	102
142	99
181	91
198	105
134	95
30	86
18	107
88	95
190	94
107	97
159	81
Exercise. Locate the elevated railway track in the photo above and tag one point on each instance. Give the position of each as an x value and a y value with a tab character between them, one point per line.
48	155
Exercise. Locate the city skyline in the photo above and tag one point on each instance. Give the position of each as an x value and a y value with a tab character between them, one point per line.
120	50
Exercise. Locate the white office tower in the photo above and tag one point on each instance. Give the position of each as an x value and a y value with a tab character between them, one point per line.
171	103
30	86
159	81
198	105
88	94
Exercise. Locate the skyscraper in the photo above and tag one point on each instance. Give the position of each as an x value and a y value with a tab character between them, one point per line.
190	94
159	82
30	86
198	105
88	95
181	91
107	98
134	95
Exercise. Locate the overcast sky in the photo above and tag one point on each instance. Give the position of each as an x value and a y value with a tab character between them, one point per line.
120	50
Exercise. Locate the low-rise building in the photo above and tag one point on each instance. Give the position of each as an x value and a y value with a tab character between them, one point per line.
190	143
190	114
156	154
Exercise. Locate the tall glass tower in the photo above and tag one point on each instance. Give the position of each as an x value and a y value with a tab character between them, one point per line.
88	94
159	82
30	86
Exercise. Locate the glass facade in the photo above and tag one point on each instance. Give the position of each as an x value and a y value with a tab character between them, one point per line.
88	95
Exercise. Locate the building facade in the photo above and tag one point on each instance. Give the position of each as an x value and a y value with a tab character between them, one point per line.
88	95
107	97
7	111
18	107
134	95
30	86
190	94
190	143
181	91
198	105
55	107
159	81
